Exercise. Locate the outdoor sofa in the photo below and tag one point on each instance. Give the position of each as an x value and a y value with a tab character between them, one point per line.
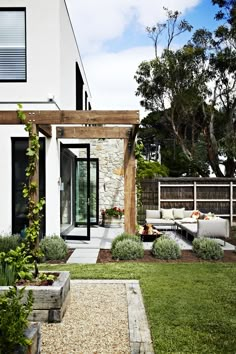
192	222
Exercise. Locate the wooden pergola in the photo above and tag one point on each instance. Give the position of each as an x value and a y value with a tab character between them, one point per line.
92	125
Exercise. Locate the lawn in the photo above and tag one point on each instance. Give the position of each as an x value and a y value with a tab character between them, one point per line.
191	308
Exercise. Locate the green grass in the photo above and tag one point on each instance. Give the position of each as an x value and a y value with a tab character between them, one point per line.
191	308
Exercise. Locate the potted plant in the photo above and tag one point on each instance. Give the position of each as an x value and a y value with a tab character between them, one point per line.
112	217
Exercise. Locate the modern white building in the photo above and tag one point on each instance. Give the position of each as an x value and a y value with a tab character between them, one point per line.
41	68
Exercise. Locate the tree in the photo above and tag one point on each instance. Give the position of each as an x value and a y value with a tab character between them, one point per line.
156	127
194	89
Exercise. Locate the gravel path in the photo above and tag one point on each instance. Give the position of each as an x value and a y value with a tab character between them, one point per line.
96	322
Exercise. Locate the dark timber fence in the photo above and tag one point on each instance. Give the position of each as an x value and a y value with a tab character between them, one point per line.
216	195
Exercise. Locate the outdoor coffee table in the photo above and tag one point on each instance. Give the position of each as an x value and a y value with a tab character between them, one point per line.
189	228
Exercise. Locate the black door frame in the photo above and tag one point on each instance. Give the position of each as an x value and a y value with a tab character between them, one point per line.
64	234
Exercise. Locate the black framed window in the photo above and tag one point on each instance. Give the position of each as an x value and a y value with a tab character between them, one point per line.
19	164
79	88
12	44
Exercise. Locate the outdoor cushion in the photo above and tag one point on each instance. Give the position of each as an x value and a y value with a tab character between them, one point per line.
188	220
178	213
153	214
167	214
213	228
159	221
187	213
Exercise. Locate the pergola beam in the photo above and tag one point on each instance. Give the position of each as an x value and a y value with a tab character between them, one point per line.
93	132
73	117
46	130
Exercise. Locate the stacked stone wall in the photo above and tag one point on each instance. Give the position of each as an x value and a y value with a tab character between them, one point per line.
110	153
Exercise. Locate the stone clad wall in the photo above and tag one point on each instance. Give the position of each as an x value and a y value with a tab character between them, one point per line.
110	153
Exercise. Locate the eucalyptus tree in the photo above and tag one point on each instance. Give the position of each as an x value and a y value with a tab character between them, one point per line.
193	88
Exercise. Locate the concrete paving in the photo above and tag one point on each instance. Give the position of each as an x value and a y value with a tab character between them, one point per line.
84	255
86	252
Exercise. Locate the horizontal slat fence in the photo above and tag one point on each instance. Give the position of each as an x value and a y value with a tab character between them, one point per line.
216	195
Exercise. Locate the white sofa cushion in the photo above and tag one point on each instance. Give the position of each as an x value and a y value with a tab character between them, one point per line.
167	214
153	214
187	213
178	213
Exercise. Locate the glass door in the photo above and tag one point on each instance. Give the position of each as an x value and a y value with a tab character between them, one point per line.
75	191
81	191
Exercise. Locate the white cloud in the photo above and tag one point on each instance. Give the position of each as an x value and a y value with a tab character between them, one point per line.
112	74
96	22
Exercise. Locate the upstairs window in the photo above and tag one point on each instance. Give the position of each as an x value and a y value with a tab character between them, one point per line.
12	44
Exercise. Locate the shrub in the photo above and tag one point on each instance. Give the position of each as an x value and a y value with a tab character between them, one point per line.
53	247
165	248
124	236
9	242
8	274
14	319
207	249
128	249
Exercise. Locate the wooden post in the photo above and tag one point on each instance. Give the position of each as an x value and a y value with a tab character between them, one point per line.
129	186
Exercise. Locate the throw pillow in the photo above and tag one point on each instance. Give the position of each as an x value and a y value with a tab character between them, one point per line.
195	214
178	213
167	214
153	214
210	216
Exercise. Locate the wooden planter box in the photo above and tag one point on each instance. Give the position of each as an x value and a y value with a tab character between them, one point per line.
50	302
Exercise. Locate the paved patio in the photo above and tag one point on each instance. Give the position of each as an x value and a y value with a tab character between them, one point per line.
86	252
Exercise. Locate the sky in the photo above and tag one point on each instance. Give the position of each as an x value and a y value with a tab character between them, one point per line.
112	39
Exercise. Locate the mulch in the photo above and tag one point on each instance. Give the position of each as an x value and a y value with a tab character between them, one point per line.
187	256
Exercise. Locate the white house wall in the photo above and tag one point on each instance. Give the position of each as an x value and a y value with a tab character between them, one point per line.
68	44
43	51
51	56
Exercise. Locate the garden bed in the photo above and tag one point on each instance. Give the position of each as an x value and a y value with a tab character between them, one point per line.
50	301
105	256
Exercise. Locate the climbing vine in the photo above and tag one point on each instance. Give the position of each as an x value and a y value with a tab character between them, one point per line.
30	190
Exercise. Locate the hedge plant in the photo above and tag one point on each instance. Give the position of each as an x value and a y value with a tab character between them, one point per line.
165	248
128	249
124	236
9	242
207	249
53	247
